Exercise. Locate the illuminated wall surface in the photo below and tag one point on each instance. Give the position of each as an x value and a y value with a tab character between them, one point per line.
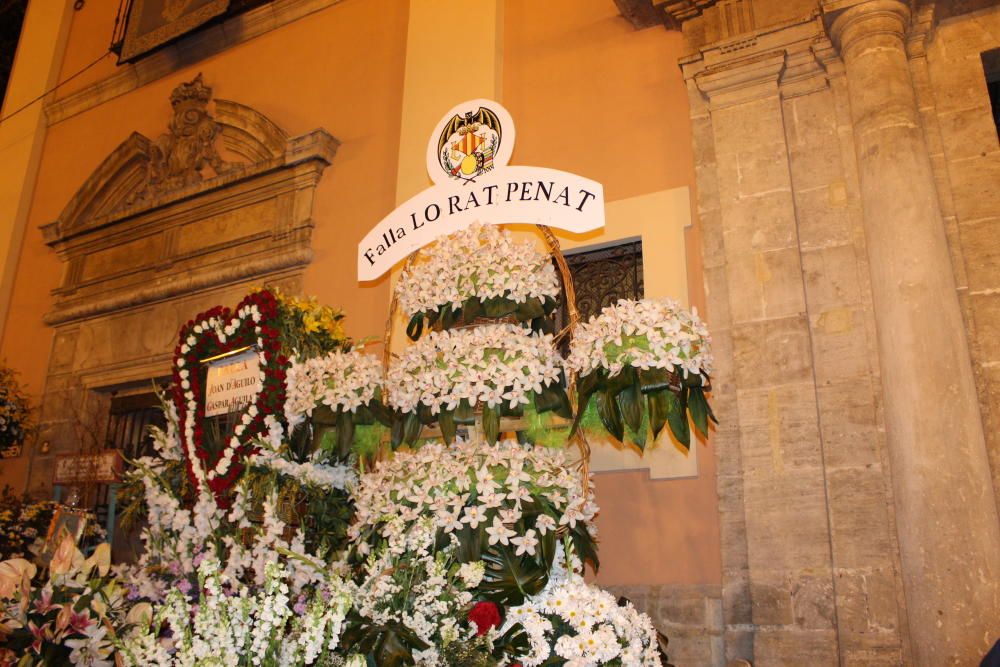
378	76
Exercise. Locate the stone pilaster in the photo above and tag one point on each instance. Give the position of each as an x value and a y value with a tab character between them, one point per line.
949	535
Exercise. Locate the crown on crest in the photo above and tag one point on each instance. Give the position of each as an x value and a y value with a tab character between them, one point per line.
192	91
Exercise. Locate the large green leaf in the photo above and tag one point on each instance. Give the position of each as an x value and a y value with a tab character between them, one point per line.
677	417
699	409
611	417
585	388
630	402
464	414
447	316
508	579
397	430
415	327
530	309
471	309
381	412
657	402
424	414
547	399
446	420
491	423
653	379
411	428
498	306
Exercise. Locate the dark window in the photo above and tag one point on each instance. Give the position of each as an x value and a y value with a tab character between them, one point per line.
11	18
991	66
129	422
603	276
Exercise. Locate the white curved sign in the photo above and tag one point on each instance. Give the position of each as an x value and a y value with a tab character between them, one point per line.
467	159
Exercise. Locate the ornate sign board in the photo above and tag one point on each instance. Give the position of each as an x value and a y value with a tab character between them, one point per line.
232	383
103	467
153	23
467	159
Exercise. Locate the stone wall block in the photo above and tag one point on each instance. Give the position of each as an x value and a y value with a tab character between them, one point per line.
850	435
717	295
773	352
780	430
765	285
955	248
840	345
831	277
759	223
987	313
859	515
813	603
824	217
772	605
980	241
753	125
968	133
782	648
787	531
975	185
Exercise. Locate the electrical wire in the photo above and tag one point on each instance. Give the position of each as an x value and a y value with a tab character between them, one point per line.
54	88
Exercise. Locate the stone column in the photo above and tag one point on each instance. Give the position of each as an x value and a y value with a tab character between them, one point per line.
949	534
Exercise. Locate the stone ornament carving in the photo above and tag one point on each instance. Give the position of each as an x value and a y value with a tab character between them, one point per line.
160	218
670	13
179	157
142	173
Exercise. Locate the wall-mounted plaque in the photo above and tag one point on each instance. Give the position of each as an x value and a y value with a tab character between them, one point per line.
153	23
103	467
232	383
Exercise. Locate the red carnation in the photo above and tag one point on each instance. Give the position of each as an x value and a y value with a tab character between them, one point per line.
486	616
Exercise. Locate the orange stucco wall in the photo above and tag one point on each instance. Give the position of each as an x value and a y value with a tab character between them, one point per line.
589	95
592	96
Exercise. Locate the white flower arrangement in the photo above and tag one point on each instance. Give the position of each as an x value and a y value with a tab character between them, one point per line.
583	625
490	364
232	624
475	485
337	476
345	380
643	334
482	262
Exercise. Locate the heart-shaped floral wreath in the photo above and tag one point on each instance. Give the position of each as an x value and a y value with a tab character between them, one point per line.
214	332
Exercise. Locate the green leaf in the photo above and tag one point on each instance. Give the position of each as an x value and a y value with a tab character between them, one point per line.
471	309
424	414
619	383
411	428
530	309
498	306
491	424
397	430
381	412
345	434
677	417
432	317
509	578
630	402
563	409
471	542
363	416
464	414
447	316
658	408
547	399
653	379
550	304
698	407
446	420
610	415
415	327
585	388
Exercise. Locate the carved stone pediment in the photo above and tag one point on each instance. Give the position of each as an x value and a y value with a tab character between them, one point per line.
142	173
670	13
223	195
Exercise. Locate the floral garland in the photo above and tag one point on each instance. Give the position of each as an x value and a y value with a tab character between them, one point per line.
582	624
506	496
339	380
643	334
644	352
499	366
480	270
214	332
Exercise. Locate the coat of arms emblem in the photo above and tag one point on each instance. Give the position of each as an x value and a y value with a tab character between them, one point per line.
469	142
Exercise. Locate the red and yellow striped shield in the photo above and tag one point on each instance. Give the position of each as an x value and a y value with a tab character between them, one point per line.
468	143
